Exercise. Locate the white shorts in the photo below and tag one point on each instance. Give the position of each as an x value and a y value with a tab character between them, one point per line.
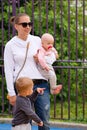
22	127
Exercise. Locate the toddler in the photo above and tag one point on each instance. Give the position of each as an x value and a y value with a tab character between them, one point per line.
23	112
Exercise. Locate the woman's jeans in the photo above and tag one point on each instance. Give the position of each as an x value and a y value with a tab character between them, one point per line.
42	105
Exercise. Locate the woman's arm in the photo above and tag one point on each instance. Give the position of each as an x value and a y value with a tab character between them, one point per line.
41	59
8	67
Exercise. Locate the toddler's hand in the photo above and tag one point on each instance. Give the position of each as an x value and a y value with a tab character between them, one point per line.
40	124
40	90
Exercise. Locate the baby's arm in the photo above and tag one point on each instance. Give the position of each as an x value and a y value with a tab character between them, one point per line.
55	52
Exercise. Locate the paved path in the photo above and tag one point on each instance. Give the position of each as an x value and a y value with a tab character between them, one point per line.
4	126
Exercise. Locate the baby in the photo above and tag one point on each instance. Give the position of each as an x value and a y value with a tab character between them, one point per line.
47	55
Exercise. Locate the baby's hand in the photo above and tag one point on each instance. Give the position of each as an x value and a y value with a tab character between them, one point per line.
47	68
40	90
40	124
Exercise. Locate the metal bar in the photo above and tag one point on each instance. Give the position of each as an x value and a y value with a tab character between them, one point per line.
13	13
84	46
33	16
68	93
54	11
25	3
54	106
2	27
76	114
61	33
18	4
46	15
9	28
72	61
62	94
40	27
84	57
70	67
69	29
76	30
83	94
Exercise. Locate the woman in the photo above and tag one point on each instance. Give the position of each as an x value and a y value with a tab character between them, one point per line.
14	56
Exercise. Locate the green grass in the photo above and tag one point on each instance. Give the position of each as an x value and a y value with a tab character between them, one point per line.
67	115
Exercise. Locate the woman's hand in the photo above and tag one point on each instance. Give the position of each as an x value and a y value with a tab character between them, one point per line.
36	58
12	99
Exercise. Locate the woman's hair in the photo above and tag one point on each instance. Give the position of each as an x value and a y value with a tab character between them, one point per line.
15	19
23	84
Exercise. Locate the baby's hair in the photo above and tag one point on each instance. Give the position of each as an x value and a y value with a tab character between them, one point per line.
15	19
23	83
47	36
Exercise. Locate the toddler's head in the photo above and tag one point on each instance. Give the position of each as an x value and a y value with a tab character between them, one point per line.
24	86
47	41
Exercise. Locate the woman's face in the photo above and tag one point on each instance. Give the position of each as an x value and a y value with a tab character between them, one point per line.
24	26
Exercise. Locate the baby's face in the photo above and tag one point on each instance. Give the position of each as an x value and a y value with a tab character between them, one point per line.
48	43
